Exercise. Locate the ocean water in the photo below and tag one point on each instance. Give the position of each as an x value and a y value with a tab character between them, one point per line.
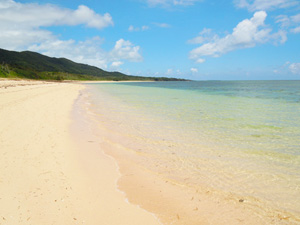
234	137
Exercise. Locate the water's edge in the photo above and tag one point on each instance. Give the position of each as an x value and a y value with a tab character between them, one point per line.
178	202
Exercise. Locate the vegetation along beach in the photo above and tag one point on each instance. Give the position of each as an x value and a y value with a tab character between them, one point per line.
149	112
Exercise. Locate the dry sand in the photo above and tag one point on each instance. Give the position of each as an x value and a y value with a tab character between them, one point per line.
48	177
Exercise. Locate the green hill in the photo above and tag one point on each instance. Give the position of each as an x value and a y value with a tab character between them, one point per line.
33	65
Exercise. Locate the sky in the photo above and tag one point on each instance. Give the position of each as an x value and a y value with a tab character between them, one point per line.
193	39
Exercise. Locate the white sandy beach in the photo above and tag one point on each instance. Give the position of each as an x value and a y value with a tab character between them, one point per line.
48	177
54	169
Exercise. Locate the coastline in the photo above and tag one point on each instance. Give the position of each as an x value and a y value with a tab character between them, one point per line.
46	175
173	202
61	165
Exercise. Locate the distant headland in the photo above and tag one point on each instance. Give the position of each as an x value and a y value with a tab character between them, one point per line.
33	65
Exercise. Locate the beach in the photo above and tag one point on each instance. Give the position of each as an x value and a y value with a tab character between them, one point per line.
124	153
187	112
51	169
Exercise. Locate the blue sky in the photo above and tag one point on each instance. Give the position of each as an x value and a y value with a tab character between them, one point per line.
194	39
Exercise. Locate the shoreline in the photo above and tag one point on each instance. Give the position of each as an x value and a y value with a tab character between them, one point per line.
61	165
96	163
173	202
46	176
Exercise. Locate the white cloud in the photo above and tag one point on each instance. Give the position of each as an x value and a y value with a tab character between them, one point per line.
254	5
131	28
19	39
178	72
287	68
90	51
116	64
286	21
279	37
142	28
205	35
197	40
194	70
296	18
169	72
295	68
200	60
172	72
248	33
291	23
283	20
126	50
184	2
20	24
21	29
145	28
84	15
35	15
168	3
296	30
162	25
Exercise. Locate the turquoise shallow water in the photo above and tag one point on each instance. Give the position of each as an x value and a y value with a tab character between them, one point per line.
241	137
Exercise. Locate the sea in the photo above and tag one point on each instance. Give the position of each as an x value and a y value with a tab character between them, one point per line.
237	138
